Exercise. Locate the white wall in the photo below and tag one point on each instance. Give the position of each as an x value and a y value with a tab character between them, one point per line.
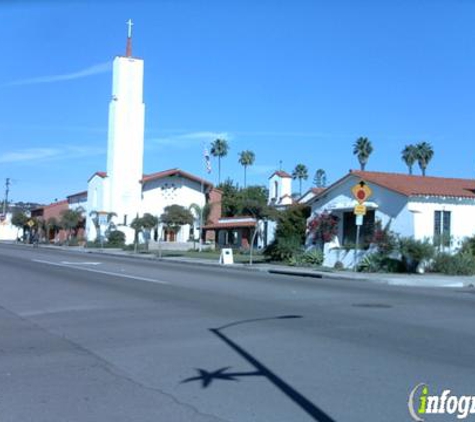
9	231
97	200
462	217
174	190
279	187
389	206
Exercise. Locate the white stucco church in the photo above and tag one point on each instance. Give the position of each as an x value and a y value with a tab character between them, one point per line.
124	189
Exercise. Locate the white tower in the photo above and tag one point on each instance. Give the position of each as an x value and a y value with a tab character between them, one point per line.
125	143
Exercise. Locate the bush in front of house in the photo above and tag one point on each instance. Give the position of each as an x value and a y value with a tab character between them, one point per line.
414	252
284	249
462	263
116	239
313	257
468	246
379	263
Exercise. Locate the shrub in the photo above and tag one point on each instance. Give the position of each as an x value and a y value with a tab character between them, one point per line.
116	238
468	246
377	262
284	249
384	239
414	252
74	241
461	263
313	257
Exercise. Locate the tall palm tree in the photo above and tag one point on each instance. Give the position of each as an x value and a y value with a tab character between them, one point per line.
246	159
320	179
409	156
362	148
301	173
424	155
219	148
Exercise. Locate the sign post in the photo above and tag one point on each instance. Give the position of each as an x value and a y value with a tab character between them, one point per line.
361	192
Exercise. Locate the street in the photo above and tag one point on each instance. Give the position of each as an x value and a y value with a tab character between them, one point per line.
89	337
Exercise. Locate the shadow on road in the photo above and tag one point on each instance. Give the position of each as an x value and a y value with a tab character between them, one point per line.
223	374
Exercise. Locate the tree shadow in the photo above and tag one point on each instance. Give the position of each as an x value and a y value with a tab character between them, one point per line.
224	374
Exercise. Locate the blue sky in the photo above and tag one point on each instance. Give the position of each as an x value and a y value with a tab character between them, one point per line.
296	81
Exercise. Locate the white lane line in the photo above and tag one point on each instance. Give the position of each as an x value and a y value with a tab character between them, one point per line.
80	263
100	272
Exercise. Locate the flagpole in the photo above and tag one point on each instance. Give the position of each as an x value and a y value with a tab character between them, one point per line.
201	208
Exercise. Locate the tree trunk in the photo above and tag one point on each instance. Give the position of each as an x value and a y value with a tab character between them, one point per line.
245	176
219	170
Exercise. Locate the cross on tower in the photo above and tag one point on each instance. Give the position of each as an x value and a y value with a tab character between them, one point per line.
129	31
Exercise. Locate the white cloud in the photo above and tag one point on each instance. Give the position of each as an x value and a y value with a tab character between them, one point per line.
29	154
83	73
42	154
185	140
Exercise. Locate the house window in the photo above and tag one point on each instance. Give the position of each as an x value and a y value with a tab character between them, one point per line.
442	225
276	190
349	228
125	219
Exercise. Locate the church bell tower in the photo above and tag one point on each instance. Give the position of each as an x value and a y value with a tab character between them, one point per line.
125	143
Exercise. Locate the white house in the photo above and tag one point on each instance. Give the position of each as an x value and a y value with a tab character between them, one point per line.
436	208
123	190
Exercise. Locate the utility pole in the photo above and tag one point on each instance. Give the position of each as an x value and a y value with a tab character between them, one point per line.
7	190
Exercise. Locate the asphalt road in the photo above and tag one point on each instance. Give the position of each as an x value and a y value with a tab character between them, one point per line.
96	338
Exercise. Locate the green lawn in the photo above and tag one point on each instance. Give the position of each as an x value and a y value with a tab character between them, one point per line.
212	255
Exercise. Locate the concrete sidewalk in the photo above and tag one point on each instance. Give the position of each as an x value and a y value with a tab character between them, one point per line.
412	280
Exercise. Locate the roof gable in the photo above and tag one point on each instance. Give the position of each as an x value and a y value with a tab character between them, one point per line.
281	173
410	185
174	172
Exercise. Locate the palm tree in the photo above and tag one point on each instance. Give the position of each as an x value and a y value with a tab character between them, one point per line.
219	148
246	158
409	156
300	172
424	155
362	148
320	179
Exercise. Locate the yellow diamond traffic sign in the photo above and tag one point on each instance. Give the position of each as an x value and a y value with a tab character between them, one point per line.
361	192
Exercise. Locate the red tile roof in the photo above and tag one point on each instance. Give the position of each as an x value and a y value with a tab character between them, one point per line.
418	185
77	194
280	173
98	173
174	172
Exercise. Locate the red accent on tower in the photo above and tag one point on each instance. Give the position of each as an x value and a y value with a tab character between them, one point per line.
128	49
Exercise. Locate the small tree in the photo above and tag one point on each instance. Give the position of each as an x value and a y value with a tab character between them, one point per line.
409	156
425	153
246	159
52	224
363	148
19	220
301	173
320	179
70	220
148	222
219	149
175	216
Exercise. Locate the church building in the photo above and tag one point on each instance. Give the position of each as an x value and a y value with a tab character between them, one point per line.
123	191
